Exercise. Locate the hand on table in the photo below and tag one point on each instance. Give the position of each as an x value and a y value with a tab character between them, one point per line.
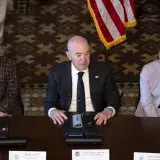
102	117
58	116
2	114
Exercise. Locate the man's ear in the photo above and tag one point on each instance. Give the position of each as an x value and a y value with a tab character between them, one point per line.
68	55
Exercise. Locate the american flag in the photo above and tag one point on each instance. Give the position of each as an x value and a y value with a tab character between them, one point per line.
111	17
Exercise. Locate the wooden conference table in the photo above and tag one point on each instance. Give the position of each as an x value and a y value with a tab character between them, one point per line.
123	135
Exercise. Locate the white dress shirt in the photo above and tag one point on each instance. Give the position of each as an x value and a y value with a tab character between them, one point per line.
89	106
85	78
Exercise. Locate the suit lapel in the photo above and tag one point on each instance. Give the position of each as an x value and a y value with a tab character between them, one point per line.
68	83
69	78
93	79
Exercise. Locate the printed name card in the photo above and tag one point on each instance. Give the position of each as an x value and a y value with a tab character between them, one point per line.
93	154
27	155
146	156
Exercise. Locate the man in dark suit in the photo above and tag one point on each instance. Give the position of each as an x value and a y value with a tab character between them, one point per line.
93	91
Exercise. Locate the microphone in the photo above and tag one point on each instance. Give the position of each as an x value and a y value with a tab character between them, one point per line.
5	139
81	140
13	141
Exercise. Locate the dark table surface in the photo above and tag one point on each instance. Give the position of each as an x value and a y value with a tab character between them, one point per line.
123	135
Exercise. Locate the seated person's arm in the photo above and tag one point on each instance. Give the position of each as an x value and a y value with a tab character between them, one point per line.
9	100
147	98
51	100
112	100
51	93
112	97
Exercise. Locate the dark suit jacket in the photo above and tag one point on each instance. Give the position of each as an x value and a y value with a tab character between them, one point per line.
103	89
10	101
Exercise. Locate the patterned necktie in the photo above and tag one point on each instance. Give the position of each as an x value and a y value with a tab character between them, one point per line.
80	94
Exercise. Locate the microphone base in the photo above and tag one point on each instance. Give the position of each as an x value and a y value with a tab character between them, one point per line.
13	141
81	140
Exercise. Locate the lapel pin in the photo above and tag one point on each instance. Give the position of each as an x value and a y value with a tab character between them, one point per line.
96	77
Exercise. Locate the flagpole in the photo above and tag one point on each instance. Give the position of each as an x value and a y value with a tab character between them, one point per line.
106	54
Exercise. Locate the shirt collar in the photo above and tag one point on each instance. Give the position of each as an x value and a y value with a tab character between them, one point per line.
75	71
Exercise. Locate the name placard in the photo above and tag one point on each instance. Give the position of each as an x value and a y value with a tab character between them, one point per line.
27	155
146	156
93	154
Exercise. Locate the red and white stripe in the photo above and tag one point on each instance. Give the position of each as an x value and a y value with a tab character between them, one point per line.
110	19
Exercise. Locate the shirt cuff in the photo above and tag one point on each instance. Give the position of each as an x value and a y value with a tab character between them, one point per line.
49	112
112	109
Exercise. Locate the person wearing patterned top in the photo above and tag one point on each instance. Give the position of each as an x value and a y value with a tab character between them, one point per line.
10	101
